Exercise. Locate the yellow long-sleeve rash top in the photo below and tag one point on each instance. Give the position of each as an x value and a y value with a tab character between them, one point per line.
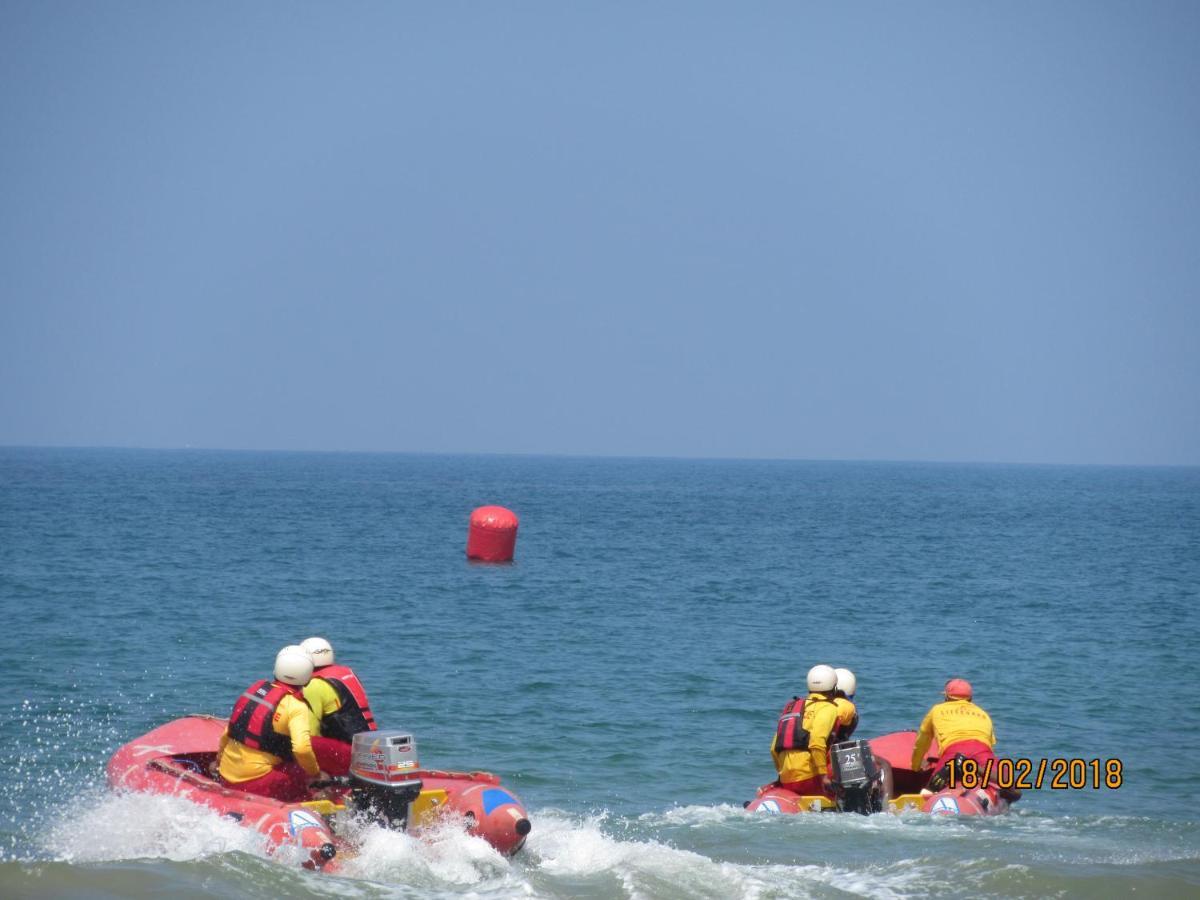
846	710
951	722
819	719
242	763
322	701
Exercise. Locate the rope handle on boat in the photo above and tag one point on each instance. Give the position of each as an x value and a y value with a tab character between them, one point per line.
345	781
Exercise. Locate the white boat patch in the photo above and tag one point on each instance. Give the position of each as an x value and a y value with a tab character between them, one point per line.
299	820
944	806
771	806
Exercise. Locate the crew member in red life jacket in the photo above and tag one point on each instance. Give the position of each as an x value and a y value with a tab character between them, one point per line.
962	730
843	698
801	745
338	704
266	748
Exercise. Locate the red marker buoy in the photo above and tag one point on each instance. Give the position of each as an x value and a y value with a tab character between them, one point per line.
492	536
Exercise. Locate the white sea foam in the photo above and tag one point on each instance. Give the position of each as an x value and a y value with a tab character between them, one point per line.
140	826
693	815
445	854
674	853
561	847
580	849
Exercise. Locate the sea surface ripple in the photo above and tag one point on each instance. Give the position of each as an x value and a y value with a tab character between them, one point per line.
623	676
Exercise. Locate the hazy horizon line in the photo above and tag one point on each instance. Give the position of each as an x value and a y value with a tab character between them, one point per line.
537	454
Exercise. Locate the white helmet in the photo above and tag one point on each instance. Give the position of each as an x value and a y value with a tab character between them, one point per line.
293	666
846	682
822	679
319	650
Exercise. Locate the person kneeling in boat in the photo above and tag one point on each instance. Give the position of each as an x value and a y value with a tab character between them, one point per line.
267	747
843	699
963	731
338	707
801	745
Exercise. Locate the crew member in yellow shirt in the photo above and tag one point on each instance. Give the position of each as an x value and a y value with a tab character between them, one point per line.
961	728
843	698
339	705
801	744
267	747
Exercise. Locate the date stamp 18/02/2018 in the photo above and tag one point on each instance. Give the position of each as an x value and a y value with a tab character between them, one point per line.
1060	774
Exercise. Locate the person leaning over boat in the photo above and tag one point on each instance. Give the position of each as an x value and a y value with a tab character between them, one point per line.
843	699
961	728
267	747
801	744
338	707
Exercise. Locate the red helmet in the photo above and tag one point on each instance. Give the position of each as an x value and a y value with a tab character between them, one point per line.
959	689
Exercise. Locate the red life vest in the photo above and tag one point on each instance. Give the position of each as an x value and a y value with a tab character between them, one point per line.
354	714
789	733
250	721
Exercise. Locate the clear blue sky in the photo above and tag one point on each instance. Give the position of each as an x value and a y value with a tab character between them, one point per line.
946	231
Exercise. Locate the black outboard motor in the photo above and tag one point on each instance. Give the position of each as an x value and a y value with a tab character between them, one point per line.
858	778
384	775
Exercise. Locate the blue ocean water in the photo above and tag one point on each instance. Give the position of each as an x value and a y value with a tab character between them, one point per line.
623	676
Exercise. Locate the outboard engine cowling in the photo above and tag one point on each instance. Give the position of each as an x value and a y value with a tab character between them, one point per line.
384	775
858	777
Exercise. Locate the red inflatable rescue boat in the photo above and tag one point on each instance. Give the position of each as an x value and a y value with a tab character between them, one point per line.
874	775
386	783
